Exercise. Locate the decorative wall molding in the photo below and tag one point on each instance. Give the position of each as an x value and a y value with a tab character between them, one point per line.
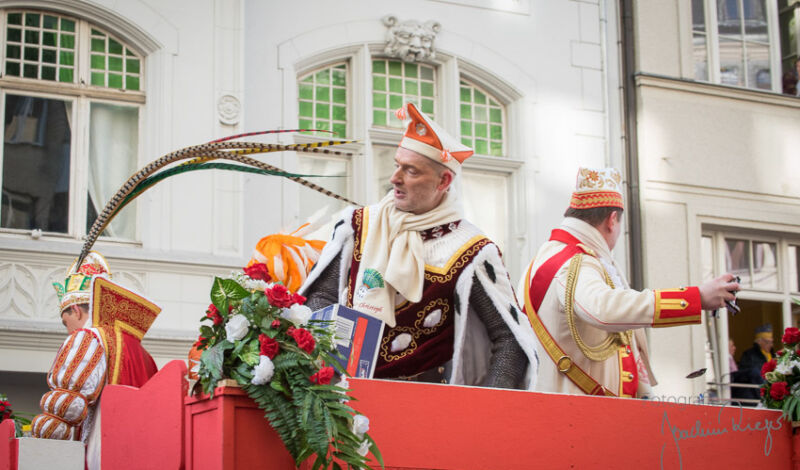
229	109
410	40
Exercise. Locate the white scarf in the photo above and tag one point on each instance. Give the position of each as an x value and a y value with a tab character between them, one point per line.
393	256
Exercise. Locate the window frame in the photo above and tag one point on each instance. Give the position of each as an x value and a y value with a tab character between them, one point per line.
81	94
712	46
783	295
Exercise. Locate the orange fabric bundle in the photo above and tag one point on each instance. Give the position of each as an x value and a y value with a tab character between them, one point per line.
289	258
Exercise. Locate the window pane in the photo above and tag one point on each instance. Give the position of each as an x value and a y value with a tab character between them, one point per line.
700	54
730	58
707	258
755	20
765	266
113	64
737	259
794	268
729	17
383	167
698	15
318	92
486	203
478	109
41	53
36	163
113	132
758	71
311	201
407	82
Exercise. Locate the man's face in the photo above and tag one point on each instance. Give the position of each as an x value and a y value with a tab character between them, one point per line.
73	318
615	226
765	343
418	185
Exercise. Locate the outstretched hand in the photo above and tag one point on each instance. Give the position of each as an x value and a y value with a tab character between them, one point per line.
715	292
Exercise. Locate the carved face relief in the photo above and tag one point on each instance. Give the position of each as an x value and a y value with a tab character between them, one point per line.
410	40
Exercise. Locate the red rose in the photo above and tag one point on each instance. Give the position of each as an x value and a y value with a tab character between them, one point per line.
768	366
199	342
213	314
780	353
275	324
298	299
269	347
259	272
763	391
791	336
303	338
779	390
279	296
323	377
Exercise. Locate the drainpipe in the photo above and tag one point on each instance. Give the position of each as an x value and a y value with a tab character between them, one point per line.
631	156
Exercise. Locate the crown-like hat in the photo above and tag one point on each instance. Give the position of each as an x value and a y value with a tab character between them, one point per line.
597	188
764	331
76	288
428	139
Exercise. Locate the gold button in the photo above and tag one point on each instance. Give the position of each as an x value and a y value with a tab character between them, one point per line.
444	381
441	370
683	303
681	289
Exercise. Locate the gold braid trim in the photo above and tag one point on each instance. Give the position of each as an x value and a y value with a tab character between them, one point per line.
609	346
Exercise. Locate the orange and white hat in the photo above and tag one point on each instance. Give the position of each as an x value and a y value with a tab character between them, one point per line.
428	139
597	188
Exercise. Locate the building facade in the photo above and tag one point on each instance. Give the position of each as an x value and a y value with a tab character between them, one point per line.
93	90
717	148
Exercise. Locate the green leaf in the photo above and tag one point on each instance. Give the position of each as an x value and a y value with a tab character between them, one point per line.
225	290
373	448
206	331
250	354
211	360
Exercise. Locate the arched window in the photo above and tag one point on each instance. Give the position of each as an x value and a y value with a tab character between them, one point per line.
322	100
482	121
376	86
72	95
395	82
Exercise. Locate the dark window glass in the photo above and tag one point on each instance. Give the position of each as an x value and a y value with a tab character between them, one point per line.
36	159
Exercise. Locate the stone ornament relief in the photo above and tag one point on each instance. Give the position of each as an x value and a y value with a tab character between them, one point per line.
26	290
229	108
410	40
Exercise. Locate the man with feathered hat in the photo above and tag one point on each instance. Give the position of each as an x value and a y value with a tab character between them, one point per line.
105	323
435	279
589	322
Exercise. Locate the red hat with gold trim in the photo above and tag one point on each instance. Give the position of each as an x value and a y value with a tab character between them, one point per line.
597	188
76	288
428	139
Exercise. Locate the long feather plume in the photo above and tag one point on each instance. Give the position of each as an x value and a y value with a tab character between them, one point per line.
235	151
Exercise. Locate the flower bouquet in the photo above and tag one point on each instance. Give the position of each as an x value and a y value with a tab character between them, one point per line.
781	389
262	336
7	413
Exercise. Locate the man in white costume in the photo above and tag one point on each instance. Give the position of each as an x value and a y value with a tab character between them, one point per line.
437	282
589	322
105	323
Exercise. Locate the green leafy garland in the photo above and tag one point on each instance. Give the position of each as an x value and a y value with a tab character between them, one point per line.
261	336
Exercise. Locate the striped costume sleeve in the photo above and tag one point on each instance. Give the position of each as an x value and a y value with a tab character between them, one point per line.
75	380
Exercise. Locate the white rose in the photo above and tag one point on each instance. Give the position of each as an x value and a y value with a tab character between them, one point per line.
297	314
360	425
363	449
784	368
343	383
262	373
237	327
